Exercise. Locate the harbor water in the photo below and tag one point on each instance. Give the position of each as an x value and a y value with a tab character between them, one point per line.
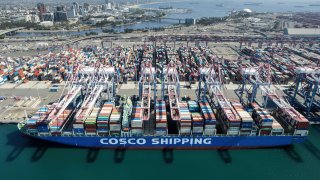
25	158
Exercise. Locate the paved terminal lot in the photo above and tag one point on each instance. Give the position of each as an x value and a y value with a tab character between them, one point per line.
22	99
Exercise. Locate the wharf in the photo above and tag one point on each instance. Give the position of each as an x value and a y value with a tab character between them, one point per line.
22	100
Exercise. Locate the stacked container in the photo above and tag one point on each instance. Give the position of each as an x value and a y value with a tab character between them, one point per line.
264	121
56	125
246	119
193	106
103	119
136	121
292	121
38	122
186	122
91	122
42	123
161	118
209	118
197	123
115	121
229	120
276	128
78	125
32	123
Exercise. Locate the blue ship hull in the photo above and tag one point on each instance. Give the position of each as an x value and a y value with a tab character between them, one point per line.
176	142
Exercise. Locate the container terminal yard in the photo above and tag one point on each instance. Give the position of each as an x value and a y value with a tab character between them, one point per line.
255	93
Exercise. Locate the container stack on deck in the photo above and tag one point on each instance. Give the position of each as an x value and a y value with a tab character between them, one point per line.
193	106
56	125
197	123
209	118
264	120
136	121
38	123
185	123
276	128
247	125
115	121
292	121
78	125
103	119
197	119
91	122
161	118
229	120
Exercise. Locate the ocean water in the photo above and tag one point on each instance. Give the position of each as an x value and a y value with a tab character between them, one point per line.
209	8
25	158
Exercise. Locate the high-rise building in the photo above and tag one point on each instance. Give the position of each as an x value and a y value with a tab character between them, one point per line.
48	17
42	9
86	6
103	7
60	8
109	6
60	14
71	13
75	6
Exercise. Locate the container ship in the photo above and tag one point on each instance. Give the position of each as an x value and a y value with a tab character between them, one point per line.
89	115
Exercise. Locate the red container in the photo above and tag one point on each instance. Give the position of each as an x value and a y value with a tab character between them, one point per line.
161	113
302	125
265	132
161	121
56	133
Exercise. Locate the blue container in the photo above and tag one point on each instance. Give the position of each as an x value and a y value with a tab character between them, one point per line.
43	109
43	130
161	129
43	127
78	130
102	129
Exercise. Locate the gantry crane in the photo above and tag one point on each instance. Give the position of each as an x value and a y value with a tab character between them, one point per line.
254	78
307	86
210	83
87	82
101	80
74	87
147	80
171	83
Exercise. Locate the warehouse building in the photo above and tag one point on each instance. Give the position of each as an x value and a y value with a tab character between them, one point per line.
310	32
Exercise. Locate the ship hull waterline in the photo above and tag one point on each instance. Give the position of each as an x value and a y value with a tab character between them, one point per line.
175	142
